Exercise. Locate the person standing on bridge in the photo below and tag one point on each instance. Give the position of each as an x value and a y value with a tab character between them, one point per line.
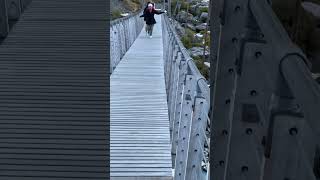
148	15
146	8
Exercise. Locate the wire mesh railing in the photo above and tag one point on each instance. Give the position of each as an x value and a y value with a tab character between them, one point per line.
123	32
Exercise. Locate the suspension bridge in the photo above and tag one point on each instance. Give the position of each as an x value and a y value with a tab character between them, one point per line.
168	100
263	104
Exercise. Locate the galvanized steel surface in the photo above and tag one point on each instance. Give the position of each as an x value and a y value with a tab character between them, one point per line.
202	83
185	85
140	140
266	103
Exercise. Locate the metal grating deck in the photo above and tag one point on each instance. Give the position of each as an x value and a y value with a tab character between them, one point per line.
140	140
54	93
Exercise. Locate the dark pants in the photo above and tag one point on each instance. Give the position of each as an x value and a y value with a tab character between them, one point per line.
149	28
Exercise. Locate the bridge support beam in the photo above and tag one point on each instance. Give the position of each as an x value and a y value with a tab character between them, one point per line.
265	100
184	128
178	105
173	92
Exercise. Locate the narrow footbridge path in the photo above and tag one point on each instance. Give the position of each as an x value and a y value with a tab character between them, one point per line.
140	136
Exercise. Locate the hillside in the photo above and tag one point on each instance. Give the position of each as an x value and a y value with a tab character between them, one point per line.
119	7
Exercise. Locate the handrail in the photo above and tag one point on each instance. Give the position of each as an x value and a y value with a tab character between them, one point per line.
189	102
202	82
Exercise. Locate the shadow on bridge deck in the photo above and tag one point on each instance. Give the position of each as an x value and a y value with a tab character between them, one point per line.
140	139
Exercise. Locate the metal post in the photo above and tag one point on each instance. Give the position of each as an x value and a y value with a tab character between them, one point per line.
184	128
178	105
171	67
171	46
173	95
196	140
251	112
244	105
234	17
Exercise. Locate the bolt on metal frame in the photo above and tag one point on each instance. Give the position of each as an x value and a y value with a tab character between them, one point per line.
189	101
265	104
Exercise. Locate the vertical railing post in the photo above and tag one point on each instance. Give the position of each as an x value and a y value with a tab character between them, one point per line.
178	106
171	66
116	46
123	38
126	33
172	56
4	23
184	128
173	91
118	42
167	51
112	48
169	59
182	89
197	140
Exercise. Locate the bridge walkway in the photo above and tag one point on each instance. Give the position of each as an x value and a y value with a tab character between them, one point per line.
140	139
